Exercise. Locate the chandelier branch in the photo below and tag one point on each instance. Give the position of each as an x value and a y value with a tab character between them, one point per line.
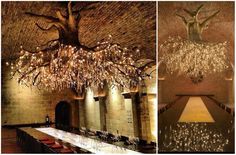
35	78
183	18
46	29
50	43
204	23
149	64
122	72
46	17
194	13
193	26
30	71
194	57
66	63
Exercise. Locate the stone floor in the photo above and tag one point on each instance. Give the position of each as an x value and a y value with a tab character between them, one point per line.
8	142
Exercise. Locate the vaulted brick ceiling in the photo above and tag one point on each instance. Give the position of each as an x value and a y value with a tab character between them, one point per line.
220	29
132	24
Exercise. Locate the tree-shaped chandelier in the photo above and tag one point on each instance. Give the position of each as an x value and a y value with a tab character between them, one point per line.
194	57
66	63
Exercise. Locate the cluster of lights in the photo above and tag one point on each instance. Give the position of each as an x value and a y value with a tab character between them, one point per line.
194	59
192	137
78	68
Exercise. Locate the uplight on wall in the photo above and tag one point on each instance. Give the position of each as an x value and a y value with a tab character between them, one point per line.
152	101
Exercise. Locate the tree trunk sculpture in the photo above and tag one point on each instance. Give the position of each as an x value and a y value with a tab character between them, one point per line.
193	26
66	63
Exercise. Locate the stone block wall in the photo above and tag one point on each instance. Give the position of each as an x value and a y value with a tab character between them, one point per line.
92	111
117	112
216	85
25	105
112	112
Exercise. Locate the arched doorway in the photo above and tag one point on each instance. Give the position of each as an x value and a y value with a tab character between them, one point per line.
62	115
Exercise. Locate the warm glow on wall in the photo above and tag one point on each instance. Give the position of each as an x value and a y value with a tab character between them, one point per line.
92	110
129	117
23	98
151	84
115	95
25	92
152	102
89	96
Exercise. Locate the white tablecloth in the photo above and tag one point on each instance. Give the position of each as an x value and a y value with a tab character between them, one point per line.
86	143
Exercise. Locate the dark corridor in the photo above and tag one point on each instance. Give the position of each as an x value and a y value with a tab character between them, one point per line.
62	115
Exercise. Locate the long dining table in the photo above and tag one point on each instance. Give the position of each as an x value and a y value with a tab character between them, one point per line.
92	145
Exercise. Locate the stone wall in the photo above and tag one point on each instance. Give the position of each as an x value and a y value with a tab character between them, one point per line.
119	117
217	85
25	105
113	112
92	111
122	114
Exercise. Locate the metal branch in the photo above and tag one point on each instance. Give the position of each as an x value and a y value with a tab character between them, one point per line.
50	18
198	9
71	19
151	63
232	65
122	72
88	48
193	13
205	22
69	9
159	63
183	18
61	17
35	78
32	52
50	42
45	29
50	48
83	9
152	71
23	75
